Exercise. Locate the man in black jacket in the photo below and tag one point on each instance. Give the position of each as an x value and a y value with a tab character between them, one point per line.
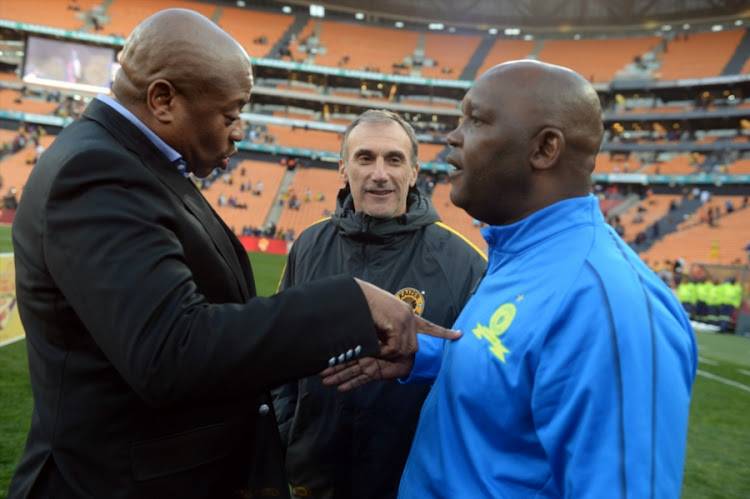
384	231
149	354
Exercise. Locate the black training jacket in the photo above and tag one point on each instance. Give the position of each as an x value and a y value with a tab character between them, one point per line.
356	444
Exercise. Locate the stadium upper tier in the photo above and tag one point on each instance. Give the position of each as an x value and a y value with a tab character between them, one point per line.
361	46
667	97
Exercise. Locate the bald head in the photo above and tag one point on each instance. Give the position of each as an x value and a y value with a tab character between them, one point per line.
187	81
554	96
179	46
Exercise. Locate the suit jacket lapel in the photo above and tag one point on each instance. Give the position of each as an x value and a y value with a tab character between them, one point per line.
183	188
199	207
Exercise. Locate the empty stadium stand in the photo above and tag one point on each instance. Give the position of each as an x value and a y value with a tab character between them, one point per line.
597	60
250	27
448	53
698	55
121	16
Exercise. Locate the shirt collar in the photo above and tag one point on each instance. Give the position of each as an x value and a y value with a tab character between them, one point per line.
173	156
545	223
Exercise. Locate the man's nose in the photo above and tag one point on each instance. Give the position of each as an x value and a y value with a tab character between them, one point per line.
236	134
453	138
379	169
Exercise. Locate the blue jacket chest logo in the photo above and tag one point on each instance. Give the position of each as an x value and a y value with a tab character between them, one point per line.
499	323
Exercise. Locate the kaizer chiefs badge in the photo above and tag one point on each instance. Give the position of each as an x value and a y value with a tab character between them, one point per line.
413	298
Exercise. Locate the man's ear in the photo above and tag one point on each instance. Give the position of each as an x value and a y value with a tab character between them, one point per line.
161	100
547	147
342	172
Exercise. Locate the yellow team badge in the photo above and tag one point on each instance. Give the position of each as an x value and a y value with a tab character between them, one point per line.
499	323
413	298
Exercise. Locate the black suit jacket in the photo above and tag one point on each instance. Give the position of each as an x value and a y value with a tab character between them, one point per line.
149	355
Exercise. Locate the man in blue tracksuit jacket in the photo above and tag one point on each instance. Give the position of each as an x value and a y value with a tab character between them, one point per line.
574	373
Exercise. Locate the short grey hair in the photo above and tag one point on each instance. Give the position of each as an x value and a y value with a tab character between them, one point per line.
382	116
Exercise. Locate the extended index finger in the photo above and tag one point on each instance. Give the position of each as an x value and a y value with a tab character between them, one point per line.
426	327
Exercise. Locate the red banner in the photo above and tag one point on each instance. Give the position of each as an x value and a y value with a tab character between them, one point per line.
6	216
264	245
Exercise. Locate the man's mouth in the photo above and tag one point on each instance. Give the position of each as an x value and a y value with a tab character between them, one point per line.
379	192
452	162
225	160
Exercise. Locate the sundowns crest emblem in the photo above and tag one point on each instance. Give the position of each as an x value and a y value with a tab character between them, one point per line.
499	323
413	298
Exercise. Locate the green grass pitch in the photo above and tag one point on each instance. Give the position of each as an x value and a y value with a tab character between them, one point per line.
718	451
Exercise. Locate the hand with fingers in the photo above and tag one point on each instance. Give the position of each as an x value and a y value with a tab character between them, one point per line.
397	325
397	328
356	373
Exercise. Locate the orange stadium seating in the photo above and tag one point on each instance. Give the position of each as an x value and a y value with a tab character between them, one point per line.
367	46
318	140
9	102
271	174
657	207
681	164
450	52
597	60
655	109
717	203
740	167
6	136
607	164
247	25
124	15
429	152
318	181
699	55
506	50
431	103
701	243
54	13
293	116
306	32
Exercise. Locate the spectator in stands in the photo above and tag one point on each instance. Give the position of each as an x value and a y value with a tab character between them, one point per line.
384	230
150	356
10	202
729	206
655	231
575	380
616	224
678	270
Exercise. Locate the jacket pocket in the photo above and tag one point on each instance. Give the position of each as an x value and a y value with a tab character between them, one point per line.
175	453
